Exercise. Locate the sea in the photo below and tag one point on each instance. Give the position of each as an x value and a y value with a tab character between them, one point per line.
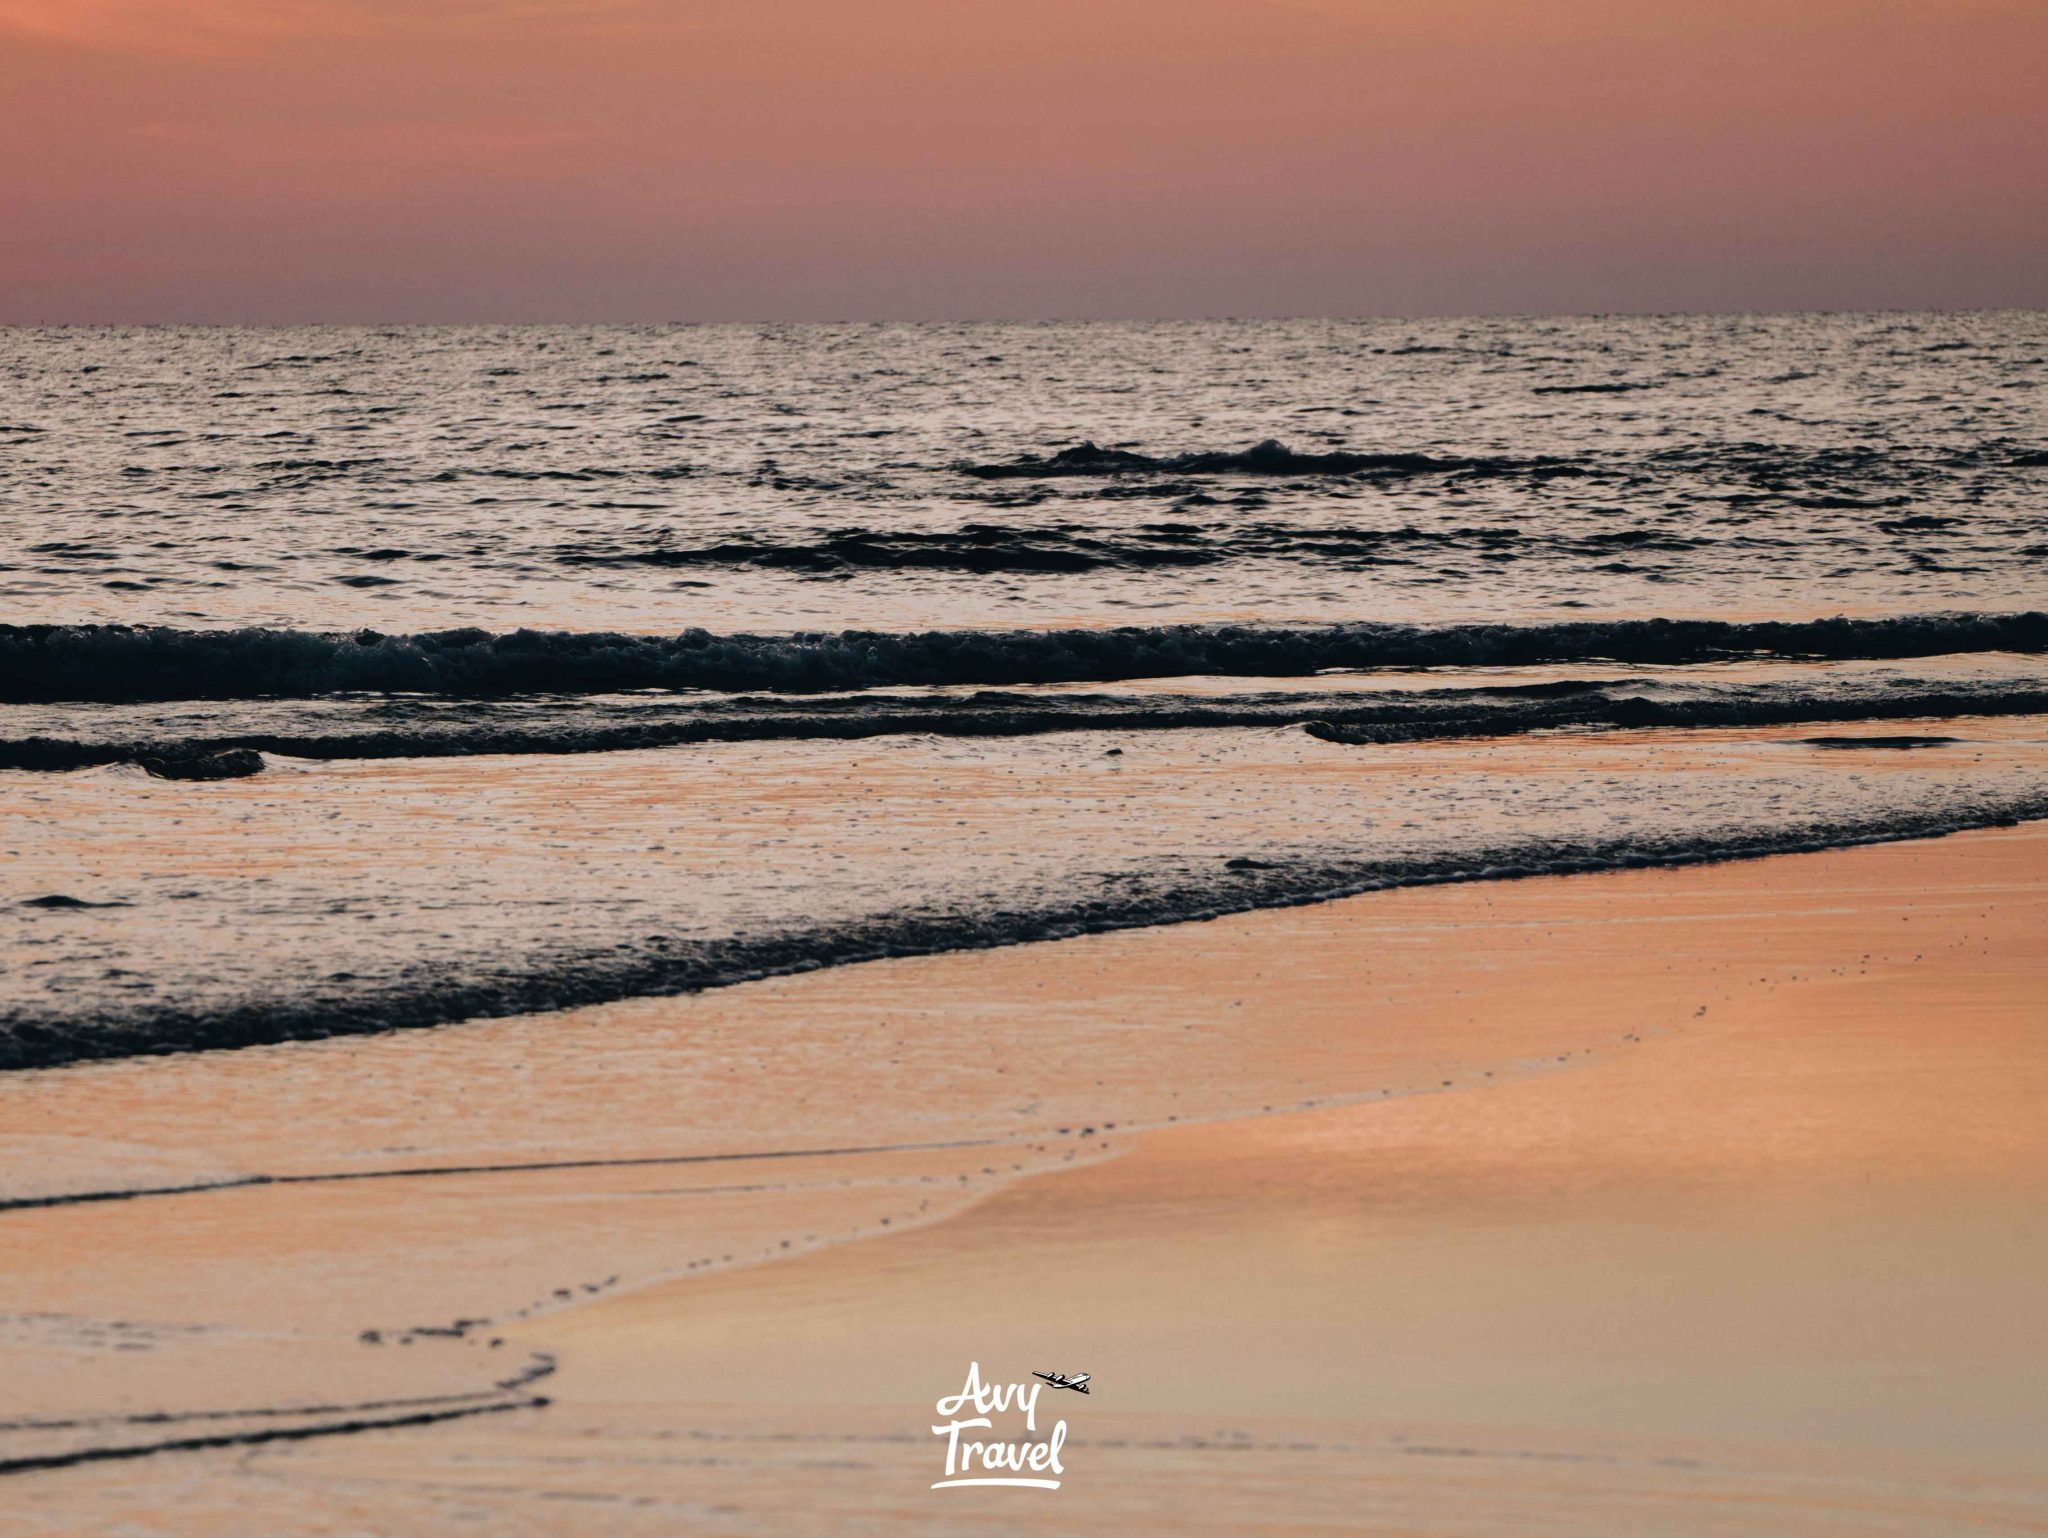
356	679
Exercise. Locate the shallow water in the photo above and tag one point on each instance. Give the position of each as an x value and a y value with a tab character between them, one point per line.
793	647
317	898
881	638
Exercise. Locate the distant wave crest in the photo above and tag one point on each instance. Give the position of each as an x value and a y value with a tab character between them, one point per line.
1066	547
1270	457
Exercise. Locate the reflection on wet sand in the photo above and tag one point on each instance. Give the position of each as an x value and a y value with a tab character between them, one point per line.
1700	1201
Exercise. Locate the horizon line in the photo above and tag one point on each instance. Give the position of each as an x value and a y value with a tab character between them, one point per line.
1353	318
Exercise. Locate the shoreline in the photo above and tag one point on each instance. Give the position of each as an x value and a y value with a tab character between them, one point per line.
1211	1160
989	863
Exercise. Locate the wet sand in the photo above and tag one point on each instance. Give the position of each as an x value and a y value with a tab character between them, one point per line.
1685	1201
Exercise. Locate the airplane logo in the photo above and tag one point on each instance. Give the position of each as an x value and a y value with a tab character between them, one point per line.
1077	1381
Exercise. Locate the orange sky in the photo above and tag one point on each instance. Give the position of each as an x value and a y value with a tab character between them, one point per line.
728	159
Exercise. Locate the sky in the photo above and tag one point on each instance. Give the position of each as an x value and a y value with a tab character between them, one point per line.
704	160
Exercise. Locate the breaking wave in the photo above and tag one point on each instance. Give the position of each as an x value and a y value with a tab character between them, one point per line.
1268	457
1067	547
114	663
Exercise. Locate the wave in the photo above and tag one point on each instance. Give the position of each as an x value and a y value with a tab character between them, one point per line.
229	742
1767	465
1064	547
1269	457
1603	387
114	663
45	1038
1881	743
974	548
1628	707
233	763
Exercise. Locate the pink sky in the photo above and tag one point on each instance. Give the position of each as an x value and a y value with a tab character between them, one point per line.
277	160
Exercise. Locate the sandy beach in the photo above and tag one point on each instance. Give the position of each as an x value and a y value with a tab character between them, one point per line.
1240	769
1705	1200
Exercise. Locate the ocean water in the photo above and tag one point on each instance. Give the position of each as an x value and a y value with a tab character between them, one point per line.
358	678
312	898
655	480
